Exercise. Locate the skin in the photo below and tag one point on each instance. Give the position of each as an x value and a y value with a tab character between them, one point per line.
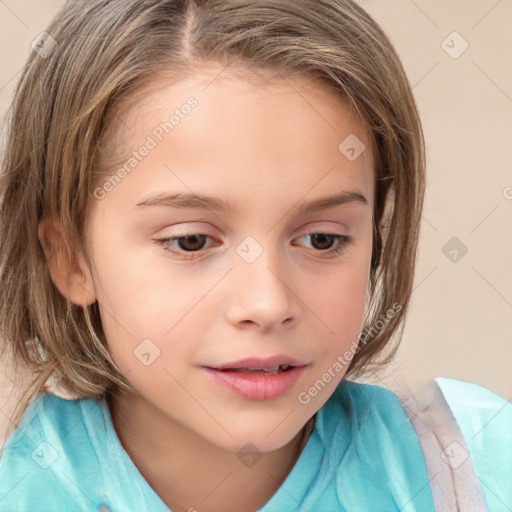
268	147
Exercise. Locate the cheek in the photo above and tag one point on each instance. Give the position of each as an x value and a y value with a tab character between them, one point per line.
132	305
341	294
141	299
339	304
130	283
338	300
341	301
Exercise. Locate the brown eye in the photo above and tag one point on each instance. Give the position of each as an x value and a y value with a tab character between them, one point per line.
186	246
328	243
191	243
322	241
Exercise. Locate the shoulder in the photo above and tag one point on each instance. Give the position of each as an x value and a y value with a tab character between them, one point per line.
466	396
374	415
483	416
478	410
372	448
38	468
485	421
365	410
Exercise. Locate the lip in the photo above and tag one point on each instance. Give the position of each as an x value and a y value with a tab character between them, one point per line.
257	386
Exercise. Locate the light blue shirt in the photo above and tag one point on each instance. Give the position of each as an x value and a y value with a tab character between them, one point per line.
363	455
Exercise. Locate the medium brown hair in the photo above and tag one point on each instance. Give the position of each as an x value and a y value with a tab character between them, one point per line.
105	54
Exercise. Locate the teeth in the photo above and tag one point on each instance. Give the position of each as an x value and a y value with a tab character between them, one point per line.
274	369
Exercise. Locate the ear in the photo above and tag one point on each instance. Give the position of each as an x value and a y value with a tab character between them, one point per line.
68	269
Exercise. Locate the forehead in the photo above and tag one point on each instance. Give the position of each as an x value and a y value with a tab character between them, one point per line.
234	88
249	141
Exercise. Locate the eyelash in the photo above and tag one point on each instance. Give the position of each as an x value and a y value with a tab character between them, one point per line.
343	242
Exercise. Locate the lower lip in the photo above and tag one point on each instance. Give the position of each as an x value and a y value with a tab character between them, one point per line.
257	386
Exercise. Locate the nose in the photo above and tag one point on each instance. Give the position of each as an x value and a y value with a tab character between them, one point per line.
263	295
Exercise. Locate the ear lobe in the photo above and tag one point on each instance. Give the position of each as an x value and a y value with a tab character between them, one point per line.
68	269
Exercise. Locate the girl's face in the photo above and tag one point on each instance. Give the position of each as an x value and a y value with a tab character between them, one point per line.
248	282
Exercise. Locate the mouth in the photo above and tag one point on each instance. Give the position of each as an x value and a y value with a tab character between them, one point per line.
268	371
256	378
268	365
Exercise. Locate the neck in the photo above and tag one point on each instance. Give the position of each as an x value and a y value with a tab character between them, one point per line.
188	472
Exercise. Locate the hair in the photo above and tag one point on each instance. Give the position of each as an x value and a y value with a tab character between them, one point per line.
101	55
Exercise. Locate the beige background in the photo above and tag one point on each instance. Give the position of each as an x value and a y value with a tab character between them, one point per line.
460	321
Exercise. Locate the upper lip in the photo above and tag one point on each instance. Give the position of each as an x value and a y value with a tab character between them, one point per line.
258	363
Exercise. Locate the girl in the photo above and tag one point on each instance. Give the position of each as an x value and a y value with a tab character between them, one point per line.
209	222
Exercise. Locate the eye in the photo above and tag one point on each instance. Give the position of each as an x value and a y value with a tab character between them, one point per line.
194	243
324	242
186	244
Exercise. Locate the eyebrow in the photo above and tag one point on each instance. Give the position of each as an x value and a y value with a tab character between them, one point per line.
205	202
